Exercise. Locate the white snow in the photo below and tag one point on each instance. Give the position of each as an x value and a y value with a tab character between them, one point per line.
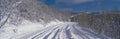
16	4
53	30
27	27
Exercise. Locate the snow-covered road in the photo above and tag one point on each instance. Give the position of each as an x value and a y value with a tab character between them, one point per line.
66	30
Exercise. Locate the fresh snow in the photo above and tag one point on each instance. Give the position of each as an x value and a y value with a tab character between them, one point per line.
26	26
53	30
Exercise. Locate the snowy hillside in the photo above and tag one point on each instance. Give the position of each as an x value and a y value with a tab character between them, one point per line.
20	16
32	10
107	23
31	19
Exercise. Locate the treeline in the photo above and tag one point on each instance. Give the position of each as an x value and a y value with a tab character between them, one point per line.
107	23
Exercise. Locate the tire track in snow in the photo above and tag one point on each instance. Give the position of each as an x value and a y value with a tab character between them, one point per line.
47	33
43	33
54	33
83	34
30	35
68	33
64	31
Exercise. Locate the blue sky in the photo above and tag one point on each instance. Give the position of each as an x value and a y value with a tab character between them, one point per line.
83	5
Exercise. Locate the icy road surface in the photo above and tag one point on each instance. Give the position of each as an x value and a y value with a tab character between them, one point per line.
61	31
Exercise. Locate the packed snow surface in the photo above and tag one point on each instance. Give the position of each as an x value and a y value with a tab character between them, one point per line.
53	30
